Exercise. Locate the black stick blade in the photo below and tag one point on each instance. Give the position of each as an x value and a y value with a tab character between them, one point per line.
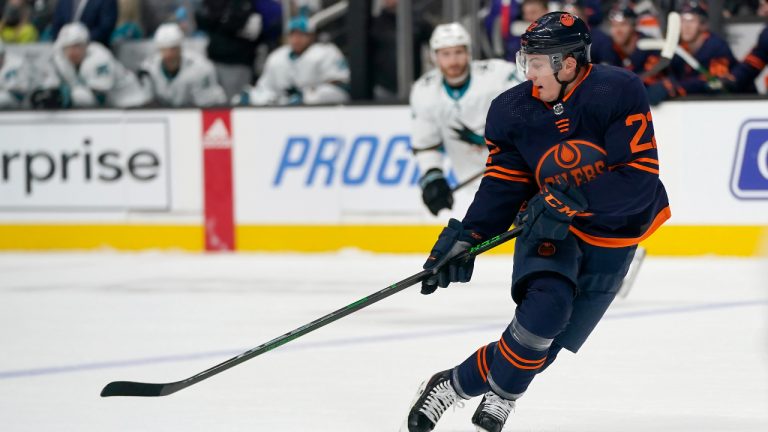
128	388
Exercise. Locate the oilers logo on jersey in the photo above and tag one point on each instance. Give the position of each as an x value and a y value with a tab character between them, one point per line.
572	161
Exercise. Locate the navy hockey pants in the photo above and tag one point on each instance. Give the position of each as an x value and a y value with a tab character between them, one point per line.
562	289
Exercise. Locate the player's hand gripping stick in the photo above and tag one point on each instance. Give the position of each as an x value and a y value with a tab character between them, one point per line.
453	240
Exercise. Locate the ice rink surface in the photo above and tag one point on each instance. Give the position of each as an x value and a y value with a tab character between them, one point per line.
686	351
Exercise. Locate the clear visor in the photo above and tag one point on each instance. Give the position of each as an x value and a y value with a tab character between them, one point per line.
533	66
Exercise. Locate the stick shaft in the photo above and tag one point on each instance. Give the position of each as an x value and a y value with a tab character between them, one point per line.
127	388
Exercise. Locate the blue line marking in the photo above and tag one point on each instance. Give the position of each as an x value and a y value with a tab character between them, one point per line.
21	373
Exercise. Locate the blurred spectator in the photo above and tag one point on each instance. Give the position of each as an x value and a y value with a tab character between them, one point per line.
709	49
42	17
302	72
14	79
305	7
383	46
14	25
602	51
128	18
624	34
236	28
744	73
647	18
531	10
83	74
733	8
507	20
98	16
179	77
156	12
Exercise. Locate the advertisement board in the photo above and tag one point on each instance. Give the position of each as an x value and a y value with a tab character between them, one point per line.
65	164
322	179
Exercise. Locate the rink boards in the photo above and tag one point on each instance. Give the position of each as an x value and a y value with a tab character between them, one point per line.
322	179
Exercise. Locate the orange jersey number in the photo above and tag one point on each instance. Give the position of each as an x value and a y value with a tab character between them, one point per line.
635	145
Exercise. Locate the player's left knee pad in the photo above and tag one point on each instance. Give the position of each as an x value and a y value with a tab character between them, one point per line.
547	305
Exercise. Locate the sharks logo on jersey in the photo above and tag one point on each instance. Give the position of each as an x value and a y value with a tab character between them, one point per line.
469	136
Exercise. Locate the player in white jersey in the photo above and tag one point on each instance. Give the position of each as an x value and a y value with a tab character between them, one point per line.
178	77
14	79
449	105
83	74
301	72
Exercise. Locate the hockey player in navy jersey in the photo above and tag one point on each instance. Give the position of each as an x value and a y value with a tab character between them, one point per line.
744	74
711	51
623	22
576	144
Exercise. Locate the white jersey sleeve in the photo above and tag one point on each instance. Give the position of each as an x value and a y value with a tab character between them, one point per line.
204	86
273	80
329	85
14	81
426	137
103	74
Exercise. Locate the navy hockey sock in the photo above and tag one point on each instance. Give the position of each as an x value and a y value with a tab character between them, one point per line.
525	348
470	378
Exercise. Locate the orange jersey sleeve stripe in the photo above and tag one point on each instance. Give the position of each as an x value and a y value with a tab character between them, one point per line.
644	168
510	171
755	61
506	177
658	221
648	160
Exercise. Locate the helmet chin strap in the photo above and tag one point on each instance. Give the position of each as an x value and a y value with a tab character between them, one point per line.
564	84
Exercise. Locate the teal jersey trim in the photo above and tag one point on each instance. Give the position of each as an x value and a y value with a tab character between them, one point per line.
457	93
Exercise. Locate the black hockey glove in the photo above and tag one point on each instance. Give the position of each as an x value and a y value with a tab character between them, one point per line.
47	99
548	215
453	240
435	191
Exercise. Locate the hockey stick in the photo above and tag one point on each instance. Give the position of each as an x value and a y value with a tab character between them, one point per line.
128	388
654	44
668	49
468	181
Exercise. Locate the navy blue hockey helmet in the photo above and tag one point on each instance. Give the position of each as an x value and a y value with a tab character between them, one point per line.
694	7
622	12
560	35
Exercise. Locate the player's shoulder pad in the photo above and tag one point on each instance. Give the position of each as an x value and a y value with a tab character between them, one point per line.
494	67
279	55
762	40
513	105
321	50
606	82
422	90
99	59
717	42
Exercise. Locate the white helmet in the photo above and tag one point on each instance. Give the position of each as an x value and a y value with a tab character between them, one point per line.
449	35
73	34
168	35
